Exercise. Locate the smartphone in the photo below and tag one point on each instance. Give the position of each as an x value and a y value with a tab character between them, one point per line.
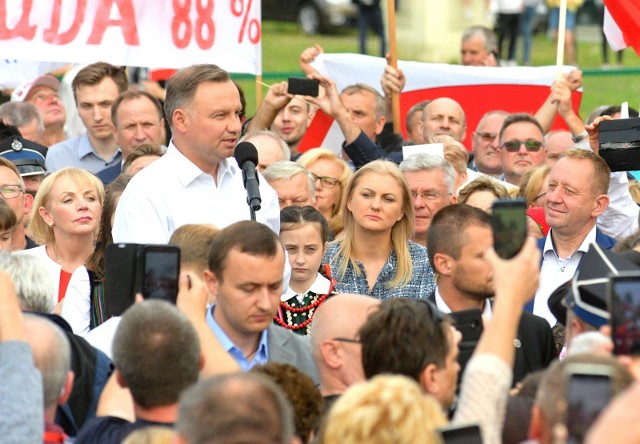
623	298
509	223
462	434
589	389
469	324
160	269
303	87
120	278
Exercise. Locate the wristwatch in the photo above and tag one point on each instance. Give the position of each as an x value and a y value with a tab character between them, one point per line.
580	137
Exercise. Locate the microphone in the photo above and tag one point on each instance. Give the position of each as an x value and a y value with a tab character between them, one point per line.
246	155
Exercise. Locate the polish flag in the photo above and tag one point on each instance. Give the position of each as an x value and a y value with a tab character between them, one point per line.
622	24
477	89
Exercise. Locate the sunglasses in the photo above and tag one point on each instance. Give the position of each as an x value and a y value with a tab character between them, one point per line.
513	146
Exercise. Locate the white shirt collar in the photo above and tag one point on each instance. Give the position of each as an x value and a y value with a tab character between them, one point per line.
321	285
443	307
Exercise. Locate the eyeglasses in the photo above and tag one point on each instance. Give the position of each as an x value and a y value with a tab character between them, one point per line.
513	146
487	137
11	191
539	196
427	195
326	181
350	341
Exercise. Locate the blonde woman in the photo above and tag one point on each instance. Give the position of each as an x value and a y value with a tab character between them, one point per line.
65	221
375	256
331	174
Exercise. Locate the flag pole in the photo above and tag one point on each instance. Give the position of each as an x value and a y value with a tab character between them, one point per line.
562	26
395	97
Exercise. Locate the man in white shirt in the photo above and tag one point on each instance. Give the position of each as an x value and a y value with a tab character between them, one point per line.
197	180
576	196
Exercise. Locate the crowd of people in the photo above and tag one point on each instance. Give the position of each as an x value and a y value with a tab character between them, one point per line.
337	315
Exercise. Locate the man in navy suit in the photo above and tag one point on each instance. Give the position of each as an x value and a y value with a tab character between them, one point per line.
576	196
458	238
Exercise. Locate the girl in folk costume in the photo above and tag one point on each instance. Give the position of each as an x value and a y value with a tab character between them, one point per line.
304	233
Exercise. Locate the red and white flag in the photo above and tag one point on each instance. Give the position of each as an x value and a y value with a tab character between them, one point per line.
477	89
622	24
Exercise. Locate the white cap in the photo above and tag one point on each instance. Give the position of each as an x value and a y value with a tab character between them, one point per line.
21	92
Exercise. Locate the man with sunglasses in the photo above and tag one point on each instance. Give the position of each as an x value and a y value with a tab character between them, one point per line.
521	146
486	145
293	183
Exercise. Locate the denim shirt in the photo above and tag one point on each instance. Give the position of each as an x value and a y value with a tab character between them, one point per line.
420	286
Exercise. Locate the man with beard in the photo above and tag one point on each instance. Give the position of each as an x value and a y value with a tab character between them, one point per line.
458	238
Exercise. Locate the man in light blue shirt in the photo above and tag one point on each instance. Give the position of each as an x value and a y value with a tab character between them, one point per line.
245	274
95	88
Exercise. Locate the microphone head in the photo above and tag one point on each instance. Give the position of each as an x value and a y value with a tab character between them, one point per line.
246	151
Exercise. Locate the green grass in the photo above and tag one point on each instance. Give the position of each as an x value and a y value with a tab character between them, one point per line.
283	42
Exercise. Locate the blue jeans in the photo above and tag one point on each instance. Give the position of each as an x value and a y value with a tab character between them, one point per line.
527	24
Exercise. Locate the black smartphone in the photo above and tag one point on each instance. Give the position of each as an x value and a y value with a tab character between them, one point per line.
589	389
120	278
462	434
303	87
623	298
469	324
509	223
160	269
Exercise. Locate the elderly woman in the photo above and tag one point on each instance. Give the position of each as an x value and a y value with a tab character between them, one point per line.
331	174
375	256
66	220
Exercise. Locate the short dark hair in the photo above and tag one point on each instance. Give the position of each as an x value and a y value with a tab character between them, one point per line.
249	237
445	233
96	72
133	95
182	86
403	337
294	216
302	393
157	351
8	220
239	407
517	118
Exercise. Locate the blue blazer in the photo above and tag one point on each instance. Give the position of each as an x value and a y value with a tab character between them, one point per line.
604	241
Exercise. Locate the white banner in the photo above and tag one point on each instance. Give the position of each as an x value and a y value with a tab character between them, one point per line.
148	33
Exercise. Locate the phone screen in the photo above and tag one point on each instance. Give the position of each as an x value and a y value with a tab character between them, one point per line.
509	220
161	270
469	434
625	315
587	396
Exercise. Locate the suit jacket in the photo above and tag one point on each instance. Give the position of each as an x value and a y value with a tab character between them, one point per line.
534	345
108	175
289	348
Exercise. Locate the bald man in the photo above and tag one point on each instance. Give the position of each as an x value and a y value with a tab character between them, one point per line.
444	116
334	342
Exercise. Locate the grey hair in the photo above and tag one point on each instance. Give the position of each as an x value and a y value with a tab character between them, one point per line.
490	42
285	170
284	148
381	105
35	287
21	113
52	357
489	114
428	162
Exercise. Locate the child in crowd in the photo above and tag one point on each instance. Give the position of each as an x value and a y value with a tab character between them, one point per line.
304	233
8	222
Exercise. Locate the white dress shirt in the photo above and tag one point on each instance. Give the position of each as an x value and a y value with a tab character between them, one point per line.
555	271
172	192
443	307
